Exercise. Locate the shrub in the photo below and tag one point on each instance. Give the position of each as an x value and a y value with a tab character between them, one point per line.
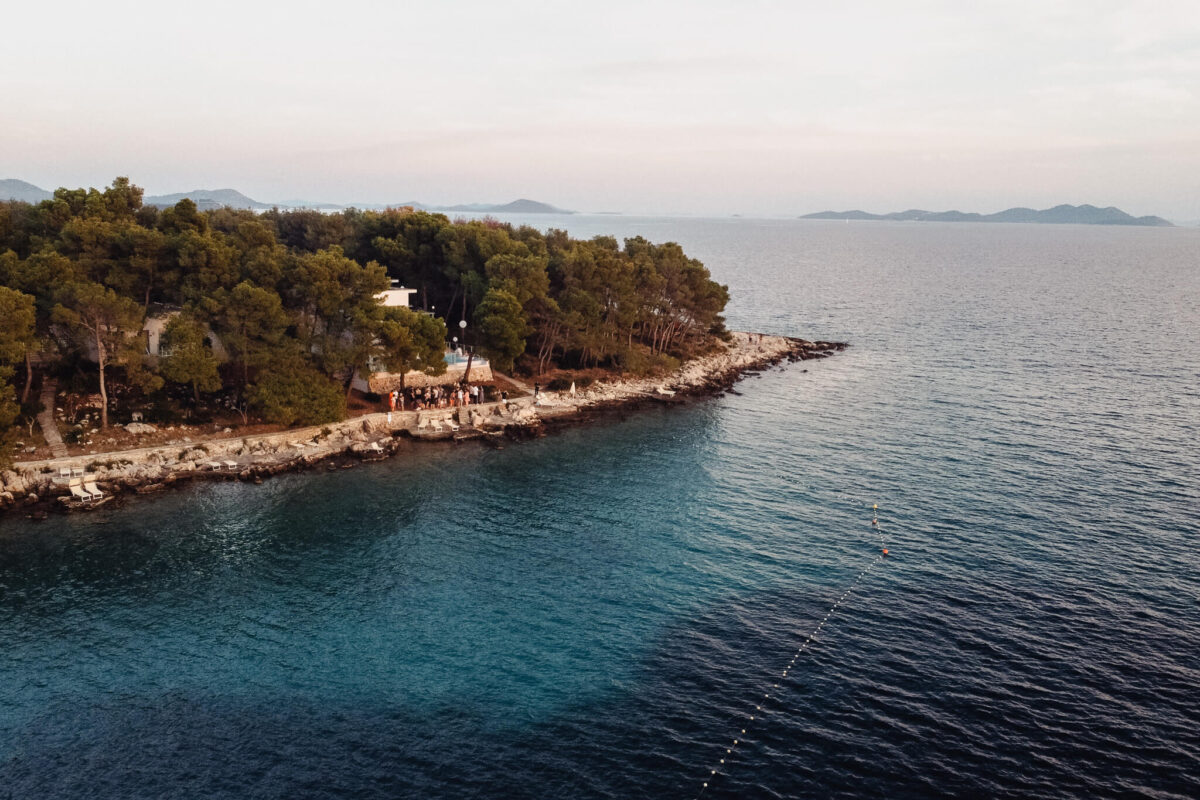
297	395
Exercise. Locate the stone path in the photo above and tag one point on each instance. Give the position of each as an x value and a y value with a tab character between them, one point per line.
46	418
524	387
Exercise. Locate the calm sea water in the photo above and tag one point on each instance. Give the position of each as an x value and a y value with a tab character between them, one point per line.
595	613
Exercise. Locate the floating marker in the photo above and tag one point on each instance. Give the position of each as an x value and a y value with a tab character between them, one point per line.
811	636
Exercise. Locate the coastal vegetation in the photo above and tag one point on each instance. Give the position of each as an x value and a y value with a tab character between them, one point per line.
272	313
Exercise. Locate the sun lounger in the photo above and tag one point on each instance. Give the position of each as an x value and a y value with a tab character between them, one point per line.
213	465
76	472
79	492
91	488
65	472
231	465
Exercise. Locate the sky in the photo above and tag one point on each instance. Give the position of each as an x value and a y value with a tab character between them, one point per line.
748	107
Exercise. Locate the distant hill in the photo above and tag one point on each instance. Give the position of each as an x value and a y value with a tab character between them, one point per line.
515	207
13	189
207	198
1059	215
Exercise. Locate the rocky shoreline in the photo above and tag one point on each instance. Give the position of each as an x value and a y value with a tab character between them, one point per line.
37	488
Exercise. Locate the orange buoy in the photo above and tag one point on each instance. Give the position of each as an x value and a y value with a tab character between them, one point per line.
885	551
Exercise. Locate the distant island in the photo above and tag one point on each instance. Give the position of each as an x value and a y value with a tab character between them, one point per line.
13	189
212	199
1059	215
208	199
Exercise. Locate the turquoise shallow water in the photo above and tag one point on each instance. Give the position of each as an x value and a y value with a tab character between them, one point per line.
592	614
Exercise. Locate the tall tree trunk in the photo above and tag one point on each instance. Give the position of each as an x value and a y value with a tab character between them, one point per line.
28	378
103	391
467	371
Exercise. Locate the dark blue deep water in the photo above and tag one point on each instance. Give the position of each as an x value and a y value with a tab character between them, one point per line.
592	615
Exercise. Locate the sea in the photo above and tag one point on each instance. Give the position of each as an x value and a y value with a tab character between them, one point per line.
610	611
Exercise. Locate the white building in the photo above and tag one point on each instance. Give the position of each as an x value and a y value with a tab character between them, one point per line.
396	297
151	336
156	325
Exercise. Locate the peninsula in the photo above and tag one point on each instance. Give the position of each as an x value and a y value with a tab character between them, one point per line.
131	328
1059	215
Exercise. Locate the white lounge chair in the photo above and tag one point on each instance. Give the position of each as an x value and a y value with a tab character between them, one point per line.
213	465
91	488
231	465
65	472
76	486
76	472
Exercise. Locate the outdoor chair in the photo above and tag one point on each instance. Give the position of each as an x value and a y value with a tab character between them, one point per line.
91	488
231	465
78	491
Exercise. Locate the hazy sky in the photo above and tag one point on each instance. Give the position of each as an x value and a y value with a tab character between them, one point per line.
691	107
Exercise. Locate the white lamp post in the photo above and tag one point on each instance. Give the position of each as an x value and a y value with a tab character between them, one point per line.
462	326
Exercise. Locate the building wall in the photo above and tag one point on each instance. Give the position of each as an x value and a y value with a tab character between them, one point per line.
381	382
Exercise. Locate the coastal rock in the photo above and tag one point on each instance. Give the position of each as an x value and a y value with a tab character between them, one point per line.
12	482
278	452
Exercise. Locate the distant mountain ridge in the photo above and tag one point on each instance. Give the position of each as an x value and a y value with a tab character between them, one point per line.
1059	215
521	206
13	189
207	198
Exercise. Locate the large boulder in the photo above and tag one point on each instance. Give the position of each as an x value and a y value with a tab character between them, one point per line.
139	428
12	482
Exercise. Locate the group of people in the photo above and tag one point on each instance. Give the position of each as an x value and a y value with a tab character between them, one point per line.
419	399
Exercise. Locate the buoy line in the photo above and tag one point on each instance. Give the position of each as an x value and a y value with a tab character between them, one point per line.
757	712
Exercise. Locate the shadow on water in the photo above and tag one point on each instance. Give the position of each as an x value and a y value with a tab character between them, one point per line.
849	723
